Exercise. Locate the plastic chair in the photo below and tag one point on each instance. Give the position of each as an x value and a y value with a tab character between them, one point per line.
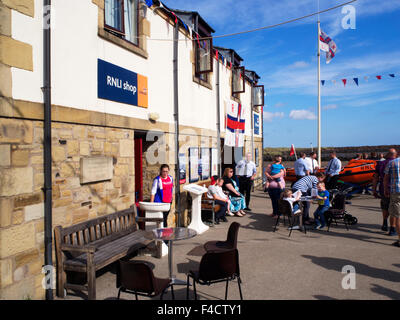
229	244
216	267
137	277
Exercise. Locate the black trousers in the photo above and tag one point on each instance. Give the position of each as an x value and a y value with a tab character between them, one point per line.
331	182
221	212
245	184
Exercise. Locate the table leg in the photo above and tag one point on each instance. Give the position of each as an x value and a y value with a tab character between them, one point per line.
170	260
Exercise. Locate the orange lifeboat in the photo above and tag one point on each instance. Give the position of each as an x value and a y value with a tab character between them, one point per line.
358	172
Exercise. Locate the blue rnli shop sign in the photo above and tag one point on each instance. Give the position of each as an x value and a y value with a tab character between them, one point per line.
121	85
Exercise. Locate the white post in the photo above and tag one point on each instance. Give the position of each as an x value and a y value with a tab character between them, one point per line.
319	101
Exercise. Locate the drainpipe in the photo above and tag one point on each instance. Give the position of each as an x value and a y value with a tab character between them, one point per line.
176	116
218	120
252	125
47	141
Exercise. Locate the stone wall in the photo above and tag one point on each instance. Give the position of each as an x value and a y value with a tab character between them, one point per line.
21	198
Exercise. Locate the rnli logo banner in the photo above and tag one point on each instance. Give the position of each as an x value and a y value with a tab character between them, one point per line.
256	124
121	85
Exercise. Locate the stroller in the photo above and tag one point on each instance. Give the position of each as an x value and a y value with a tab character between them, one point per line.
338	211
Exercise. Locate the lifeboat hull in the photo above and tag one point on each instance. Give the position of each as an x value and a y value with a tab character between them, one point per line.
360	172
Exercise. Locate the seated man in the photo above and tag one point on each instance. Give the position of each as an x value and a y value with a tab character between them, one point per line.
215	192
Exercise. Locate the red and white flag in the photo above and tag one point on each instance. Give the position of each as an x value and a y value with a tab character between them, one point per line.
327	45
292	151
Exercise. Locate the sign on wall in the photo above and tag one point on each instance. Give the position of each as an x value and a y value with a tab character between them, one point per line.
121	85
204	166
182	168
193	164
256	124
214	162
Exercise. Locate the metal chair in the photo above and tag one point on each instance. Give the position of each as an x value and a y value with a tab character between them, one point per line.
229	244
286	211
216	267
137	277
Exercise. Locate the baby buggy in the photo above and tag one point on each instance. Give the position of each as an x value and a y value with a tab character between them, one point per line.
337	211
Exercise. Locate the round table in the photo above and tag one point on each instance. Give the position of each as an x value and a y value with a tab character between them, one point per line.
171	235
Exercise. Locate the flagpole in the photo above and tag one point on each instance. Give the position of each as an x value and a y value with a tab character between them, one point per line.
319	99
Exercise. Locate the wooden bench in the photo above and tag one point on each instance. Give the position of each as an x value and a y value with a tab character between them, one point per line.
89	246
209	204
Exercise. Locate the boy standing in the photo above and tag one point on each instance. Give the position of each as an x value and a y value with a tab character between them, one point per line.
323	205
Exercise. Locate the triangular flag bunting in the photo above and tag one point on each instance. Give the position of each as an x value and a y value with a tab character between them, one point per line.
334	81
392	75
366	78
216	54
322	82
344	81
379	77
356	80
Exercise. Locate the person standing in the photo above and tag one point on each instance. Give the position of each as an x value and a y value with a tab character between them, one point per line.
301	168
378	180
162	189
305	185
275	187
246	171
332	171
312	163
391	184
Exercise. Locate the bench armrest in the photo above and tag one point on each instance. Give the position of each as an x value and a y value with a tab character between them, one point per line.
87	249
143	219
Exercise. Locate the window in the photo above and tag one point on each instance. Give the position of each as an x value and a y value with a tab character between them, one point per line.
121	18
204	56
237	80
258	96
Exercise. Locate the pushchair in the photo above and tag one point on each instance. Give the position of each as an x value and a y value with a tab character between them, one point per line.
337	212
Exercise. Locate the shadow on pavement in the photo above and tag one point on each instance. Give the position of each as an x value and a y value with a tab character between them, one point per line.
319	297
337	265
385	292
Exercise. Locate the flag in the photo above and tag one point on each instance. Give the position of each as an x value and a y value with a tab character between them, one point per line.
344	81
291	150
322	82
216	54
235	124
149	3
356	80
327	45
392	75
379	77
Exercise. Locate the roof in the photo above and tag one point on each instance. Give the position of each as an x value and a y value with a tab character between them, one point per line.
222	49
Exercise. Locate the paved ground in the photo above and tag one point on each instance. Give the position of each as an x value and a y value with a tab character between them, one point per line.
274	266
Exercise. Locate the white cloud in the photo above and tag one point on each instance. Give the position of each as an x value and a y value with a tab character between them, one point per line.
329	106
269	116
302	115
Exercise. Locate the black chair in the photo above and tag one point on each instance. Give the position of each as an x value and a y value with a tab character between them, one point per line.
286	211
229	244
338	212
216	267
137	277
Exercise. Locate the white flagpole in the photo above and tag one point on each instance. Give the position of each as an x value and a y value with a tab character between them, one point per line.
319	100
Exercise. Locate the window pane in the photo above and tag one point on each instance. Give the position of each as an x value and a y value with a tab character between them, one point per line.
258	99
113	14
203	56
131	20
237	80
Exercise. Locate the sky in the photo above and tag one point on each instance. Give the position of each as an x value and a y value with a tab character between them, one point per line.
285	58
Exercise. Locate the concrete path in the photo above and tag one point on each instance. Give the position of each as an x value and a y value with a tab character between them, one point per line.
274	266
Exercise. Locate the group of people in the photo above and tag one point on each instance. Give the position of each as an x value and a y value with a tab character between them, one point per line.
230	192
307	179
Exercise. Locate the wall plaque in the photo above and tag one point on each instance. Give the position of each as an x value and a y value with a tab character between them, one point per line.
95	169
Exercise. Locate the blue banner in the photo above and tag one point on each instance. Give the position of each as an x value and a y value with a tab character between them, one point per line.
256	124
116	84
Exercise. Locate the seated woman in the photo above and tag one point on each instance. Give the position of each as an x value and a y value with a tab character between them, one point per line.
215	192
238	202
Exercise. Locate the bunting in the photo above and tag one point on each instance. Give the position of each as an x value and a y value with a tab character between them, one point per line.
356	80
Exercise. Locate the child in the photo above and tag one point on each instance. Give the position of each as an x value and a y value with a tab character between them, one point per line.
276	168
293	199
323	205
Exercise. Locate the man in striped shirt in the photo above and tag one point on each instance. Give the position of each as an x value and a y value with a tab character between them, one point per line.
391	184
305	185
